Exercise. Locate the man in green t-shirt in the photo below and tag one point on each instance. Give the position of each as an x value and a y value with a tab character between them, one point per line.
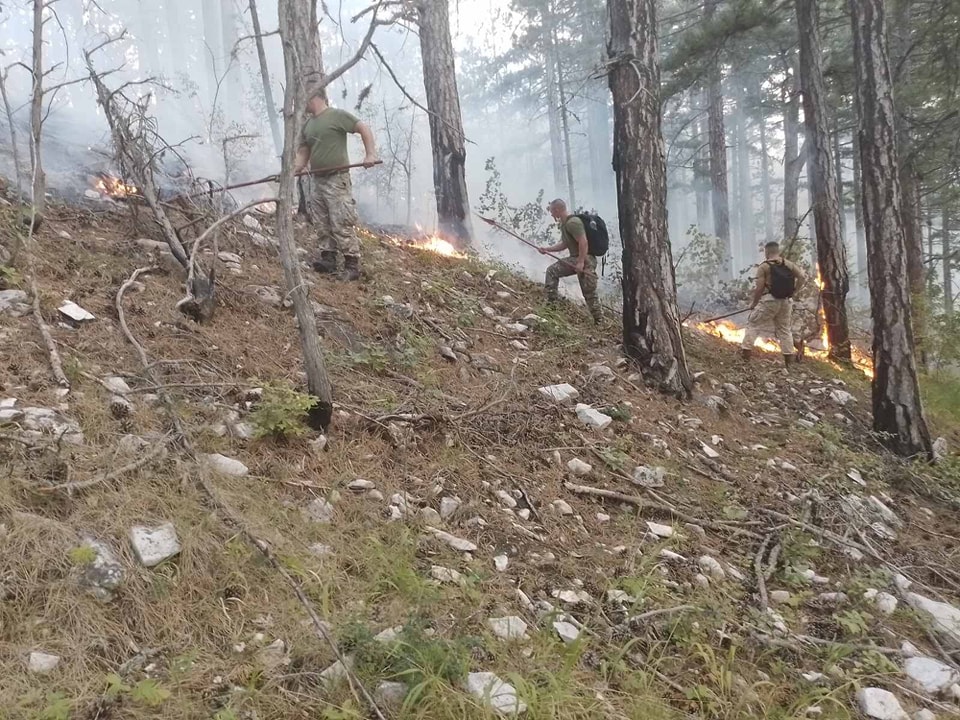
323	144
573	238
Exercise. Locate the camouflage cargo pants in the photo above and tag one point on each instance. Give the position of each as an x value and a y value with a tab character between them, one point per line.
334	213
588	282
773	313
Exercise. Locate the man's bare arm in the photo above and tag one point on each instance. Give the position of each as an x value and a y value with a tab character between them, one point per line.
758	291
581	251
369	146
552	248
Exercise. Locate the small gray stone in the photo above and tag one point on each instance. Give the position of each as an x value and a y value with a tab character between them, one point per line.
560	393
779	596
661	531
42	663
390	694
116	385
592	418
931	676
319	511
711	567
924	715
360	485
448	506
945	617
104	573
568	632
451	540
508	628
447	575
650	477
14	303
430	516
154	545
578	467
224	465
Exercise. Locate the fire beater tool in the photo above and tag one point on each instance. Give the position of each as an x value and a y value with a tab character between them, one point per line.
275	178
494	223
722	317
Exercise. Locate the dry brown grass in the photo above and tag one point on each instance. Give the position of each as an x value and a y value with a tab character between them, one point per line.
191	612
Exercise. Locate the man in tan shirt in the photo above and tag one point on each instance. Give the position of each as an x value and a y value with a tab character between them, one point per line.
778	280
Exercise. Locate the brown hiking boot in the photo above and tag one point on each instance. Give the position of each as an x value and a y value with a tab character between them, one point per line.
351	268
746	354
789	360
327	264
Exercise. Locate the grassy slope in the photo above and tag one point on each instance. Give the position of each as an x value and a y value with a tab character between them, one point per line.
194	622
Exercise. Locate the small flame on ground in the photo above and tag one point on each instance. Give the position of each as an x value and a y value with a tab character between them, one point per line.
430	243
114	187
730	333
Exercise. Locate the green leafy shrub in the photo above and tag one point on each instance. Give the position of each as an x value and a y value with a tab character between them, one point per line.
281	412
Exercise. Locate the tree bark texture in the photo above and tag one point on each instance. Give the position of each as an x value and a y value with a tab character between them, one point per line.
651	323
719	197
296	37
765	178
897	407
831	254
863	270
793	158
701	178
265	78
748	237
446	122
838	173
39	185
565	127
946	251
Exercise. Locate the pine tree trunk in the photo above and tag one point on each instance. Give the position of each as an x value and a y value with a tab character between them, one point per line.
831	254
748	237
39	186
897	407
553	108
863	273
765	179
701	172
945	251
295	35
719	197
598	140
565	126
838	173
793	158
265	78
446	123
651	323
733	198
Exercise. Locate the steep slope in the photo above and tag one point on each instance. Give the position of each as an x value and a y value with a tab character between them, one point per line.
729	558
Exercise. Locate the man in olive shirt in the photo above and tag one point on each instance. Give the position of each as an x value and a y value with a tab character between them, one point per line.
778	280
323	144
573	238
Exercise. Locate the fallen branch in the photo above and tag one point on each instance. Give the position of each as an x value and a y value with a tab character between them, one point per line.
758	569
643	504
153	453
56	364
643	617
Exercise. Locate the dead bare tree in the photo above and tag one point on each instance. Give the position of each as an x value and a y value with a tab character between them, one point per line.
138	146
298	37
265	78
8	109
39	186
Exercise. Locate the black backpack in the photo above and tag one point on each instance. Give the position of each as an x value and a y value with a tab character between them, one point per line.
598	240
782	281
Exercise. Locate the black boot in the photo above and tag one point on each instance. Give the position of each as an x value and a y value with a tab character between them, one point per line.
746	353
351	268
327	264
789	360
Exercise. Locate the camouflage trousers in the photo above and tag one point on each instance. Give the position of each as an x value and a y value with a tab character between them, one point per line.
334	213
773	313
588	282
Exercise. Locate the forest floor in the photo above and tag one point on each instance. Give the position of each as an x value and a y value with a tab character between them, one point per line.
760	555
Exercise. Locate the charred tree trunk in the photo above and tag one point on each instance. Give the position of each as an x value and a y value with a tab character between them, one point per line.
793	158
446	123
294	16
897	407
831	254
946	252
39	185
838	172
719	198
651	323
265	77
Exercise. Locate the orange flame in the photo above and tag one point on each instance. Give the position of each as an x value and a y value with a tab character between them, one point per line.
114	187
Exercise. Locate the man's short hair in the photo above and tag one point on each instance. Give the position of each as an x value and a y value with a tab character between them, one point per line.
320	93
772	245
558	202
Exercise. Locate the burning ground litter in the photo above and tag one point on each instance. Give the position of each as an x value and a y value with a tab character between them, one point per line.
443	506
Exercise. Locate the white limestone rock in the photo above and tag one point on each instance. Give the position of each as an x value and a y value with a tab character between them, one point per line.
447	575
224	465
562	507
945	617
497	695
456	543
592	418
153	545
562	393
661	531
578	467
711	567
320	510
568	632
880	704
650	477
14	303
390	694
510	627
42	663
102	575
448	506
929	675
359	485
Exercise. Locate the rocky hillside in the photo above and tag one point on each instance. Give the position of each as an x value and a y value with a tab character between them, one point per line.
503	519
